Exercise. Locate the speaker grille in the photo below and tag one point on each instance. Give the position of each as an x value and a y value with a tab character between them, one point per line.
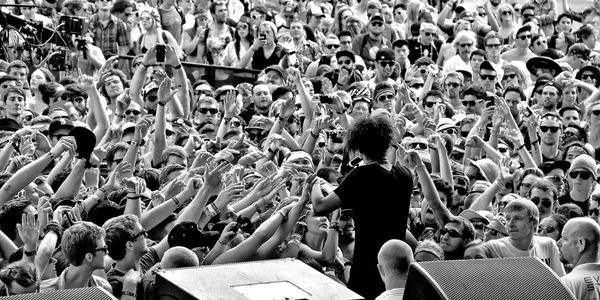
93	293
508	278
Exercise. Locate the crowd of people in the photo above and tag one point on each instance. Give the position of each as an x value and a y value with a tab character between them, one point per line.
377	134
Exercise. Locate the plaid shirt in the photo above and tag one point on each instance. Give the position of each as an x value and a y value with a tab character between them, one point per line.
111	37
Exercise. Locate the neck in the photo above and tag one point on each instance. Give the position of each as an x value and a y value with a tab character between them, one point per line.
495	58
219	25
521	51
373	36
315	240
128	263
379	77
394	282
78	276
588	258
549	151
103	16
464	58
579	195
523	244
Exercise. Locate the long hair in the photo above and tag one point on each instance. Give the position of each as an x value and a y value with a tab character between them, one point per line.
238	38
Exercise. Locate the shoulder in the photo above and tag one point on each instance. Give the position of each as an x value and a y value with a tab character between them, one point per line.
49	285
103	283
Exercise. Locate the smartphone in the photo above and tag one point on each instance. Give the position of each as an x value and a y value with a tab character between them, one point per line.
527	112
354	163
263	36
490	99
325	99
160	53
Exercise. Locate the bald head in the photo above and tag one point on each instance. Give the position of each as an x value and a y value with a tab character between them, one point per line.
583	228
179	257
395	256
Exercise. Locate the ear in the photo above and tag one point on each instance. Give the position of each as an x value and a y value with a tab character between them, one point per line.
381	271
581	243
89	257
129	245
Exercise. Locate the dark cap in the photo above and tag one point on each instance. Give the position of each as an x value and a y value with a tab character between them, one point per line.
553	165
523	29
424	61
224	89
385	54
399	43
8	125
466	15
579	49
59	124
376	17
487	65
85	139
534	63
346	53
187	234
278	69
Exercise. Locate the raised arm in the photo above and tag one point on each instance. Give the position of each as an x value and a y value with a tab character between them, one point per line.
95	104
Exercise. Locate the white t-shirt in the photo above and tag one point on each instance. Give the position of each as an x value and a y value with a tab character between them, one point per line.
393	294
584	281
543	248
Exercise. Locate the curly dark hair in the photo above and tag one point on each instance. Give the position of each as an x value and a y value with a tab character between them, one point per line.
371	137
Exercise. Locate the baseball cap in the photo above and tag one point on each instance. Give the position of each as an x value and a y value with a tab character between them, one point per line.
473	215
315	11
548	166
85	140
224	89
445	123
347	53
385	54
376	17
278	69
8	125
260	123
466	15
428	27
187	234
149	88
59	124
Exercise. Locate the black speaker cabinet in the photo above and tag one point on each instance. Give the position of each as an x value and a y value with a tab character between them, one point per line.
261	280
93	293
489	279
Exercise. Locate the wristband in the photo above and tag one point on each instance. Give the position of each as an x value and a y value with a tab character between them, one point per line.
222	243
176	201
316	136
30	253
51	155
103	190
283	215
126	293
257	208
272	151
521	147
536	141
177	67
161	104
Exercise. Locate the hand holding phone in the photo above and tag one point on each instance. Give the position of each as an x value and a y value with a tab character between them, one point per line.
160	53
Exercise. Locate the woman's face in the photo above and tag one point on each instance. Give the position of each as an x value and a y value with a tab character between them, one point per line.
203	21
588	77
548	224
37	78
266	30
564	25
539	45
243	29
316	224
146	20
510	79
296	30
570	95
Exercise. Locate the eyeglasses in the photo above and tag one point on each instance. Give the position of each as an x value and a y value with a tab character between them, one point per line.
545	202
540	42
524	37
478	225
378	24
344	62
416	193
457	156
418	146
430	104
255	135
427	33
585	175
552	129
103	249
78	99
449	131
461	190
332	46
386	63
27	118
494	46
547	229
131	111
141	233
482	14
152	98
416	85
509	76
596	112
385	97
507	12
467	103
452	84
588	76
451	233
465	45
242	26
488	77
502	149
493	232
204	111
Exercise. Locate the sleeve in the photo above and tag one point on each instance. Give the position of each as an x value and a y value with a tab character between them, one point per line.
148	260
346	191
123	36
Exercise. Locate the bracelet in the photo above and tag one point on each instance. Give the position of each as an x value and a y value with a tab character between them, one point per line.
126	293
176	201
336	227
222	242
536	141
177	67
51	155
30	253
316	136
161	104
256	207
521	147
102	189
283	215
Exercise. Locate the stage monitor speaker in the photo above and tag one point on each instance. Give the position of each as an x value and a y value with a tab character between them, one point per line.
268	279
490	279
93	293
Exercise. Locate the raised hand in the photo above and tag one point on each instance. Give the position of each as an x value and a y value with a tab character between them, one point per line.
86	82
474	141
413	159
165	94
171	57
230	104
116	176
66	143
226	154
173	188
141	128
123	102
230	193
150	56
287	109
29	229
135	185
213	176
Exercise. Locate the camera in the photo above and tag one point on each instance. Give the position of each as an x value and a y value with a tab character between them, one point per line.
58	62
325	99
73	25
160	53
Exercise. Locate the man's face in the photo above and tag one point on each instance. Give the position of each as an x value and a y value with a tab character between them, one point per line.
401	53
139	243
519	224
14	104
513	99
526	184
543	200
385	67
114	86
207	112
28	12
104	4
221	14
117	159
99	255
360	109
550	97
570	117
345	43
493	47
273	77
453	239
465	46
21	74
315	21
569	248
488	79
579	183
296	30
595	115
510	79
550	132
5	85
523	39
262	97
133	113
376	27
346	63
453	87
331	46
385	101
472	105
431	102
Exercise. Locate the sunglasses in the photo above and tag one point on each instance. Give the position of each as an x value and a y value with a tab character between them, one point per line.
416	193
430	104
131	111
478	225
78	99
427	33
461	191
594	212
378	24
141	233
344	62
545	202
103	249
596	112
385	98
493	232
540	42
465	45
152	98
451	233
509	76
524	37
468	103
494	45
507	12
502	149
332	46
386	63
242	26
588	76
255	136
552	129
236	123
585	175
453	84
27	118
213	111
420	85
547	229
488	77
418	146
457	156
449	131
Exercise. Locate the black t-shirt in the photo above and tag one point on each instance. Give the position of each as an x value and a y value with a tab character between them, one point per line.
584	205
380	200
417	50
260	62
